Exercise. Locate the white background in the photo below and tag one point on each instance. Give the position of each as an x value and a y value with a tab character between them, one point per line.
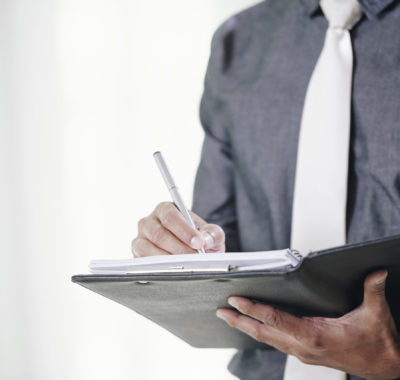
88	90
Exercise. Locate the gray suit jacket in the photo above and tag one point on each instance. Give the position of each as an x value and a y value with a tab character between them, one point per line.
261	62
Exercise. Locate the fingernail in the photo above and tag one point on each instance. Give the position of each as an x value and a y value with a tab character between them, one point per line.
220	315
208	238
196	242
233	302
382	279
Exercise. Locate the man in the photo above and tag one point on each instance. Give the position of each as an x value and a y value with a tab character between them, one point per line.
255	89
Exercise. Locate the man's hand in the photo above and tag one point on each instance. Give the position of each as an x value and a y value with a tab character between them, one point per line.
364	342
165	231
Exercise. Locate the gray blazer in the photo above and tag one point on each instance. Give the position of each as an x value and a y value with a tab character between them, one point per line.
261	61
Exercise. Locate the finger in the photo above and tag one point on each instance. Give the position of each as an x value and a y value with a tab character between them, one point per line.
214	237
374	289
164	239
375	304
142	247
259	331
299	328
198	220
171	218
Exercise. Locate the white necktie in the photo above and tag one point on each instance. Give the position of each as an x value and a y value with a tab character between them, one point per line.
320	195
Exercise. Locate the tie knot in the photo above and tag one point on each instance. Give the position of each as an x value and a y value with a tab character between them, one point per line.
342	14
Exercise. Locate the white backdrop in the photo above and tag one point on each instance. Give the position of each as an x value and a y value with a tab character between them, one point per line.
88	90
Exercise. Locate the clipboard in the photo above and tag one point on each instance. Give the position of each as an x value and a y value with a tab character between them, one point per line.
325	283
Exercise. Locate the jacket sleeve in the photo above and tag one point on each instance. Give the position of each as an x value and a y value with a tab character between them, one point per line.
214	190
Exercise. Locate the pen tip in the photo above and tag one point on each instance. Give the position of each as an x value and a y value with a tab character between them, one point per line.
156	153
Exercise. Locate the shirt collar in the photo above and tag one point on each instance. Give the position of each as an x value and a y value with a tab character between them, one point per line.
372	8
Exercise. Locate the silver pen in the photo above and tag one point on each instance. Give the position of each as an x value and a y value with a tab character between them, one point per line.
173	190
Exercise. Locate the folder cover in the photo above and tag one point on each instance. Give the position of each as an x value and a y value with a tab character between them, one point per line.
325	283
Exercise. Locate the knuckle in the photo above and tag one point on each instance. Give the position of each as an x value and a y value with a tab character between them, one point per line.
315	341
306	357
161	207
258	334
165	207
272	318
158	235
168	217
141	224
379	291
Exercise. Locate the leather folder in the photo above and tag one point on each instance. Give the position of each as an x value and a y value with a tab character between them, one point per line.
325	283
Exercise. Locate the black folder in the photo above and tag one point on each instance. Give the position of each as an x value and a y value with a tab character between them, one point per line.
326	283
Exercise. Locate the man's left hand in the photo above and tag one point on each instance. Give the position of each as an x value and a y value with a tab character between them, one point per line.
364	342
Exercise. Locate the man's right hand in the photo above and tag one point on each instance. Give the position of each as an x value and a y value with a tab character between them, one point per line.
165	232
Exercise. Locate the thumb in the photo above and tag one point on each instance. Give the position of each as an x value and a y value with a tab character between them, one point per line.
214	237
374	288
